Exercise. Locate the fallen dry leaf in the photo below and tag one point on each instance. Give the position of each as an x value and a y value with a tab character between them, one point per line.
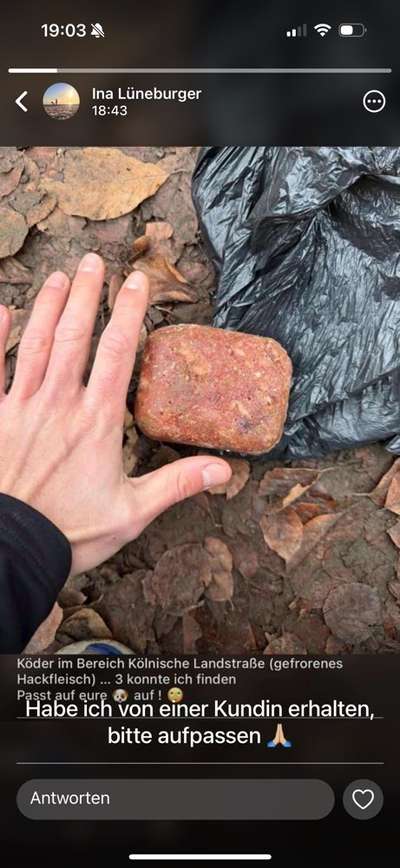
140	245
63	225
32	175
158	232
394	533
180	578
142	339
166	282
294	494
103	183
9	157
45	634
321	498
221	586
352	610
311	630
130	451
285	485
283	533
130	447
12	271
288	643
159	241
245	557
127	612
335	646
192	632
232	634
13	231
70	597
313	532
308	510
40	209
280	480
378	495
173	201
154	254
19	319
201	500
394	588
10	180
33	203
84	624
392	501
240	475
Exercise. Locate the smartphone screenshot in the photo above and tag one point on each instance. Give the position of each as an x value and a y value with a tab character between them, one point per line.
199	433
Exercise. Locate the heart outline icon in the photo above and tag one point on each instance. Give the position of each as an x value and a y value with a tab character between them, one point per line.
360	792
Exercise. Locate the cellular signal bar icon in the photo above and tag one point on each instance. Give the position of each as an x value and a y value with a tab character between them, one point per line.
301	30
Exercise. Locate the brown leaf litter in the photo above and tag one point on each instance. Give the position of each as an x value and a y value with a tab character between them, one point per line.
130	446
13	231
10	180
221	586
180	578
392	501
379	493
19	319
23	205
104	183
152	254
291	528
352	611
283	486
14	272
45	634
283	533
240	475
192	632
85	623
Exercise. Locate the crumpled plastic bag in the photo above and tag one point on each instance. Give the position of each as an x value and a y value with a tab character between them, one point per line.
306	243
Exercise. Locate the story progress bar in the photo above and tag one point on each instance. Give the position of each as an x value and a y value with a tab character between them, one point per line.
322	70
200	857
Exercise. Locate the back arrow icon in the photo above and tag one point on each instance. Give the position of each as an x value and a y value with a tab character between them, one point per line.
19	100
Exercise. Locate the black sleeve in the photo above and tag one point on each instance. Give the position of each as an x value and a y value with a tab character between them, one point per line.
35	561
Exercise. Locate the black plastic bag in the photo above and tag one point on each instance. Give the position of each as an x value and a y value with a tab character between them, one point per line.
306	243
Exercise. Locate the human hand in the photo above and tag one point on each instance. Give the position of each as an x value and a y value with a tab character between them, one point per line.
61	442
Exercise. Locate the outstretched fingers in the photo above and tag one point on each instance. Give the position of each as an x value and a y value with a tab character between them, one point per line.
112	370
73	334
37	340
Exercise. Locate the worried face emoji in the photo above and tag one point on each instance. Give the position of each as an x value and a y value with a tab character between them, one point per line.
175	694
120	695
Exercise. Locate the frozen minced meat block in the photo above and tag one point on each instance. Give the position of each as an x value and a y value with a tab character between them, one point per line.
209	387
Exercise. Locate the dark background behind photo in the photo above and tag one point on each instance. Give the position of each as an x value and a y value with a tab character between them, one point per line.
234	109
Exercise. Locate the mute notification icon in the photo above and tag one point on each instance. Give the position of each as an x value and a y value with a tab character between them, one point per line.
97	30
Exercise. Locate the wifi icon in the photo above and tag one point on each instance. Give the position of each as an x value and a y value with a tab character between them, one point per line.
322	29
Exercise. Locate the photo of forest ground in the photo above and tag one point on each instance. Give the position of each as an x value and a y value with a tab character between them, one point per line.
293	559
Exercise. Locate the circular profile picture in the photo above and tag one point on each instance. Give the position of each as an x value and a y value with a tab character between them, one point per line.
61	101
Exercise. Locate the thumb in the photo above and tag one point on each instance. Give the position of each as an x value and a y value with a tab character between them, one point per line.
160	489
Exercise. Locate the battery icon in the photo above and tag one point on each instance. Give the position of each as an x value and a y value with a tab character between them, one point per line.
352	30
